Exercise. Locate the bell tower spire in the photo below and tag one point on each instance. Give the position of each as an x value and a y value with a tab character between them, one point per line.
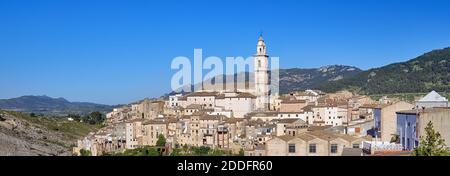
261	75
261	47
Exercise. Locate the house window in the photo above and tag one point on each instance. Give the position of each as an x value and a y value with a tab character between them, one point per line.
334	148
312	148
291	148
356	146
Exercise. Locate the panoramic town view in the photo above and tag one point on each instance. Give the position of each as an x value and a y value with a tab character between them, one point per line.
79	82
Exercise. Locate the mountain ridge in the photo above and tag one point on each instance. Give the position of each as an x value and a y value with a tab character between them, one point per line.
427	72
51	106
308	78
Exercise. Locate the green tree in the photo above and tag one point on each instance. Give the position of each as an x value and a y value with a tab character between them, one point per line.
201	151
395	138
95	118
432	144
84	152
241	152
145	151
176	152
161	141
216	152
74	117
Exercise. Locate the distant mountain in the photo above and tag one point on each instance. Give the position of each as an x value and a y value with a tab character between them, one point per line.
425	73
51	106
301	79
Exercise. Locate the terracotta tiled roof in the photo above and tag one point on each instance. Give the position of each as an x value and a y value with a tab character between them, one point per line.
212	117
307	108
233	120
245	95
194	106
305	137
303	94
186	117
289	121
183	98
315	128
286	138
202	94
347	137
293	101
369	106
154	122
323	135
262	114
134	120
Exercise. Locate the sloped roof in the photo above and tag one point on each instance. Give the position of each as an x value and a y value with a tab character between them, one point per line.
288	120
433	96
293	101
202	94
154	122
194	106
306	137
286	138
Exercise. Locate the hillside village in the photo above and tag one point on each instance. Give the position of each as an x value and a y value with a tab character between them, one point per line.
300	123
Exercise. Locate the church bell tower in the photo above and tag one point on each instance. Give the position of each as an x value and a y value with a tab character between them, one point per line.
261	71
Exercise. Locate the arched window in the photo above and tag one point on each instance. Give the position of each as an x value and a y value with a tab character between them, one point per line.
259	63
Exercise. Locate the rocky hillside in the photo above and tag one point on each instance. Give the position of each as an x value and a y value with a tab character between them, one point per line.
301	79
425	73
51	106
22	135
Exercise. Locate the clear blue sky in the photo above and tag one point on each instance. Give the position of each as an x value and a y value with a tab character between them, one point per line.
110	51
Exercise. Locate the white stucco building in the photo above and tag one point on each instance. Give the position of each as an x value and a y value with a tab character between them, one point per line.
329	114
433	99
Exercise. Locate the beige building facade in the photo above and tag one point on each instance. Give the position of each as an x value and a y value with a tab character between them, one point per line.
389	118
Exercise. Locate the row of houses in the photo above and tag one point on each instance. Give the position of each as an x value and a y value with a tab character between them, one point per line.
314	143
308	123
217	120
404	123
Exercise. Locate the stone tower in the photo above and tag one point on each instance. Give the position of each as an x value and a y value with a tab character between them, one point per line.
261	71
